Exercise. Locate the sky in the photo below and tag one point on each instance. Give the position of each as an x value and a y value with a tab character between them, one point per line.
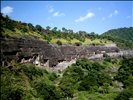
89	16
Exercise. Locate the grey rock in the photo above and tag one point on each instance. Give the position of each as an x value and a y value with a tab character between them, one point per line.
32	50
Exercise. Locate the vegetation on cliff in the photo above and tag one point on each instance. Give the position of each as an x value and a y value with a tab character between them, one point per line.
82	81
123	37
65	36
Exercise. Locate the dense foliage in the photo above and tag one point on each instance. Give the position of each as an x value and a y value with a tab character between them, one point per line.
23	82
82	80
123	37
125	75
126	33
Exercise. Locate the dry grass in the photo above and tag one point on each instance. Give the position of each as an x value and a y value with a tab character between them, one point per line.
53	41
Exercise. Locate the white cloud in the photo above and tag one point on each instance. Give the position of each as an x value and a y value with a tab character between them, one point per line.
55	13
7	10
58	14
99	8
48	6
116	12
128	17
51	10
110	15
103	18
89	15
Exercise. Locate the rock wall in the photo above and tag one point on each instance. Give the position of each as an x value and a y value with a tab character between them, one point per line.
31	50
121	53
27	50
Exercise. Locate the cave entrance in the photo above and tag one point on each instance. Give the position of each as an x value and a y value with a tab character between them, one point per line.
60	61
46	62
35	56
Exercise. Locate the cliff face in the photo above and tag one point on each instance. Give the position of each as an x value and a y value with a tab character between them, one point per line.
32	50
27	50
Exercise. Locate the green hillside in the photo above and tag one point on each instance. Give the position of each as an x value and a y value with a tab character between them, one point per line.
84	80
123	37
52	36
123	33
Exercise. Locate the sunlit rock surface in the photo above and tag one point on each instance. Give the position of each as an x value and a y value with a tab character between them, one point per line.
31	50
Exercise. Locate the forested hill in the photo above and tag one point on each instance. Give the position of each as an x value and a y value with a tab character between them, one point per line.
124	33
123	37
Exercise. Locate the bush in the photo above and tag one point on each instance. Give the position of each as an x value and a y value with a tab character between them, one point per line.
105	55
24	29
52	76
78	43
59	42
125	94
67	91
32	71
88	84
108	59
46	91
124	75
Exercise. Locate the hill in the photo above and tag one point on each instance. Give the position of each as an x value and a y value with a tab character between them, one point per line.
123	33
52	36
123	37
81	81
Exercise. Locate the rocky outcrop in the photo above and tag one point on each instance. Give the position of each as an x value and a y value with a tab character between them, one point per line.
27	50
121	53
32	50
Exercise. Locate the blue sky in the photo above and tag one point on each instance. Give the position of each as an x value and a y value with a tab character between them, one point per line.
89	16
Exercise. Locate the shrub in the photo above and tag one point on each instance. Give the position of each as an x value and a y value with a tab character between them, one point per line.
46	91
24	29
52	76
105	55
108	59
78	43
59	42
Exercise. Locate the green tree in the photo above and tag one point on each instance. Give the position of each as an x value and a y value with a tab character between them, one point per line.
59	42
48	28
89	84
124	75
52	76
55	28
31	27
38	27
25	29
9	24
1	23
63	29
46	91
126	94
78	43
